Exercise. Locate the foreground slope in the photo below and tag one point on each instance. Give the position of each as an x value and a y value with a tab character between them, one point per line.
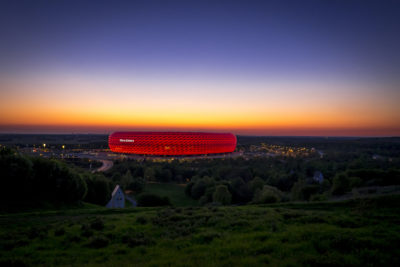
351	233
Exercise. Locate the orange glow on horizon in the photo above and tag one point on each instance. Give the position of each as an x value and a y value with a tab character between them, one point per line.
270	109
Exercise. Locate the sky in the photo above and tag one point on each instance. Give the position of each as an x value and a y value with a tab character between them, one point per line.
301	68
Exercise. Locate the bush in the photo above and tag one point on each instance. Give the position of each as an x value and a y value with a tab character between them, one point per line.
222	195
341	184
98	242
268	194
256	184
240	191
97	224
59	232
188	189
133	239
137	185
318	197
198	189
303	191
152	200
309	190
203	200
141	220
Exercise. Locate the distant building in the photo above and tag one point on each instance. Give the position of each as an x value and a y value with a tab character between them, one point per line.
377	157
117	198
318	177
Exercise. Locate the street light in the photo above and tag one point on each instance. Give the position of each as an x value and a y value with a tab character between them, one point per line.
44	145
63	146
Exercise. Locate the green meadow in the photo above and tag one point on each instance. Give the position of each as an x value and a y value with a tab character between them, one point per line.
363	232
175	193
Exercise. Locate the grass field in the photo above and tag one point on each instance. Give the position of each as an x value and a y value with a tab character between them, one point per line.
175	192
352	233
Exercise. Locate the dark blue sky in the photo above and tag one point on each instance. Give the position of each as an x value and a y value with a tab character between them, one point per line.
345	38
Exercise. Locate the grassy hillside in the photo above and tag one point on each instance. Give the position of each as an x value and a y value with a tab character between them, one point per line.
352	233
175	192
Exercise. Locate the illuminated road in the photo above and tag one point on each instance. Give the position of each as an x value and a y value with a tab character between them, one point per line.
107	164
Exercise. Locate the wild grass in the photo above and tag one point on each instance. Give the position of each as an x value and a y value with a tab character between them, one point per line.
351	233
175	192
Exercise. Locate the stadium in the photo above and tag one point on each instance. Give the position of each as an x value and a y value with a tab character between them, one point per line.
171	143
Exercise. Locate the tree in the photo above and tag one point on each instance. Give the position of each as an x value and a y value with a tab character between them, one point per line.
256	183
341	184
222	195
188	189
56	182
166	175
240	191
126	180
116	177
198	189
38	181
303	191
268	194
99	189
149	174
137	185
16	172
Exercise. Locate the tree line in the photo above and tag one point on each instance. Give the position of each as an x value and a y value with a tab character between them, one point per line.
265	179
34	182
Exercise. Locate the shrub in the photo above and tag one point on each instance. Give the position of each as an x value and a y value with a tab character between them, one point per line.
198	189
37	232
13	262
341	184
86	231
240	191
141	220
309	190
137	185
256	184
188	189
203	200
206	237
59	232
98	242
303	191
318	197
136	239
268	194
97	224
222	195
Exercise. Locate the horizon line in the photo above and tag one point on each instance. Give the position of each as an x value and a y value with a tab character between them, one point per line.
244	135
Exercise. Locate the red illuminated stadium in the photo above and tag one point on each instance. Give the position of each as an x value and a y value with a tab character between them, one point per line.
171	143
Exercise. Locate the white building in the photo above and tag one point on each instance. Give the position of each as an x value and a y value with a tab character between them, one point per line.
318	177
117	198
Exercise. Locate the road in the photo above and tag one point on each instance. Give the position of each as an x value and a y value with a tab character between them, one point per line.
107	164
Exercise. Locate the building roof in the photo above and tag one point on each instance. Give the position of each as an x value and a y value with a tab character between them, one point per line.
117	187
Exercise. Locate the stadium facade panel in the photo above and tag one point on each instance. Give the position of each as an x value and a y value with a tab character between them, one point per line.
171	143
